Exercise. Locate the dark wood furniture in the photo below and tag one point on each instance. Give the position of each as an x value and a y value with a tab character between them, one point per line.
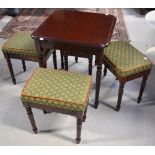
21	46
57	91
126	63
78	34
40	59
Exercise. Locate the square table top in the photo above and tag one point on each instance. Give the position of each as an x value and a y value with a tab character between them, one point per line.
77	27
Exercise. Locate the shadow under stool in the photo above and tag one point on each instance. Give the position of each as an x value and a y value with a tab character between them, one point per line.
22	46
126	63
57	91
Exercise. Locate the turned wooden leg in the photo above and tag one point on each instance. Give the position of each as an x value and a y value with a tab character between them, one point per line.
79	127
105	70
142	89
31	118
54	59
7	57
98	81
90	66
66	63
24	66
120	93
76	59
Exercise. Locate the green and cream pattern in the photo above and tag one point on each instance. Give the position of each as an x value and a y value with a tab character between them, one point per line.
20	43
127	60
57	88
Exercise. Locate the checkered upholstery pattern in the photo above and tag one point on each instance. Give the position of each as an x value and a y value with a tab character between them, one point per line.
126	59
20	43
57	88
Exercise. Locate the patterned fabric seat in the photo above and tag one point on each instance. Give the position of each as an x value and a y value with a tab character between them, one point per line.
22	46
57	89
126	63
126	59
20	43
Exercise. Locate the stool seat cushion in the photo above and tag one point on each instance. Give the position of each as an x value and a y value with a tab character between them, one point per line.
20	43
57	88
126	59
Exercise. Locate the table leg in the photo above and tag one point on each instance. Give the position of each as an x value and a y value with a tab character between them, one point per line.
90	66
98	81
54	59
99	61
66	62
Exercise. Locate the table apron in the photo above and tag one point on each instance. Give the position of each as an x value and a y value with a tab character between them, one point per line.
71	47
77	53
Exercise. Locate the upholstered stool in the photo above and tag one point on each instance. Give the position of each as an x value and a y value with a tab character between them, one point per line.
22	46
126	63
57	91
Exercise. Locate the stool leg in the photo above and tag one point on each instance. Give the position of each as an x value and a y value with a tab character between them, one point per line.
120	93
7	57
24	66
31	118
84	116
45	64
90	65
62	60
44	111
105	70
79	127
76	59
142	89
66	62
41	62
54	59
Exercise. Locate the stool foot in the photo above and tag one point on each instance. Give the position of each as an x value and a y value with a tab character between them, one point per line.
44	111
117	108
138	100
35	131
142	89
78	141
76	59
31	118
95	106
120	93
79	127
14	81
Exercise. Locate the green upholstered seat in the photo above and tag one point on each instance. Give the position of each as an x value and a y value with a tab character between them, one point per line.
20	43
57	88
126	59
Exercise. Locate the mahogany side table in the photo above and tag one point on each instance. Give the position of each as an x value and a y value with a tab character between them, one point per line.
81	33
